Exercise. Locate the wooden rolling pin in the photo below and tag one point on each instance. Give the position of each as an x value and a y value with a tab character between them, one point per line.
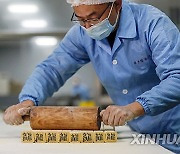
64	118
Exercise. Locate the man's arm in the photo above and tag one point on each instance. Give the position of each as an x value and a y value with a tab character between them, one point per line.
51	74
164	42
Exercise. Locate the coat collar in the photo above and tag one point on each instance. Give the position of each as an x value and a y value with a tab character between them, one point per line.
127	24
126	29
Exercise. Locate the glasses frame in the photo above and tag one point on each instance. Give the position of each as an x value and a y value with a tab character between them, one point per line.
89	20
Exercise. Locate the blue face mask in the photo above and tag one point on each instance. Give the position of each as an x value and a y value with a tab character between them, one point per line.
102	29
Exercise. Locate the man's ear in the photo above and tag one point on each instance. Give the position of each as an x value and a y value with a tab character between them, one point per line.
118	4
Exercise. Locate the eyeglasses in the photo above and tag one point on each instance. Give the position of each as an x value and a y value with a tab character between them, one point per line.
92	21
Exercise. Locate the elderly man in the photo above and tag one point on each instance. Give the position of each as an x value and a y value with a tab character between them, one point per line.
135	51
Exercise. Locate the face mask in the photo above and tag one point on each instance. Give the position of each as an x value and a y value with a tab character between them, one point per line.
102	29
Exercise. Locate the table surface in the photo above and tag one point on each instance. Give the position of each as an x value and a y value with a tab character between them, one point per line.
10	143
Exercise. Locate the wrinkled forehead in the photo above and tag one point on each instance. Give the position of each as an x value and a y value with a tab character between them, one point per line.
88	2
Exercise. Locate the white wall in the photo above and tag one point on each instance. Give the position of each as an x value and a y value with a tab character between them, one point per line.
19	60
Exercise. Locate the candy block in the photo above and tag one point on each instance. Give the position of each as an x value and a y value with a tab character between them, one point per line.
75	137
51	137
87	137
27	137
99	137
110	136
63	137
39	137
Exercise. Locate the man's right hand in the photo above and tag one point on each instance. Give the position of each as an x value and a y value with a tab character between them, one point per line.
13	115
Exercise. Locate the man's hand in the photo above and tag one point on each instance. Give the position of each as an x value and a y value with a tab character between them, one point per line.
13	115
119	115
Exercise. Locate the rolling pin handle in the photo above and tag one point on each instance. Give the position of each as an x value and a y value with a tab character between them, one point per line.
25	113
26	118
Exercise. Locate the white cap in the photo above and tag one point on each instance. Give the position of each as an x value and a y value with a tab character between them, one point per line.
88	2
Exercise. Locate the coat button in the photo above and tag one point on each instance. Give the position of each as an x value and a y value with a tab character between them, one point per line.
125	91
114	62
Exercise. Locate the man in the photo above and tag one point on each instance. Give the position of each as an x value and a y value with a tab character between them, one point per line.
135	51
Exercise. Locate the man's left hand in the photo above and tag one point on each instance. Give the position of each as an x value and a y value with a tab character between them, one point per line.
119	115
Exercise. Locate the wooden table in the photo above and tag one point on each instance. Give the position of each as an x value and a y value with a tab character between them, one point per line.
10	143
